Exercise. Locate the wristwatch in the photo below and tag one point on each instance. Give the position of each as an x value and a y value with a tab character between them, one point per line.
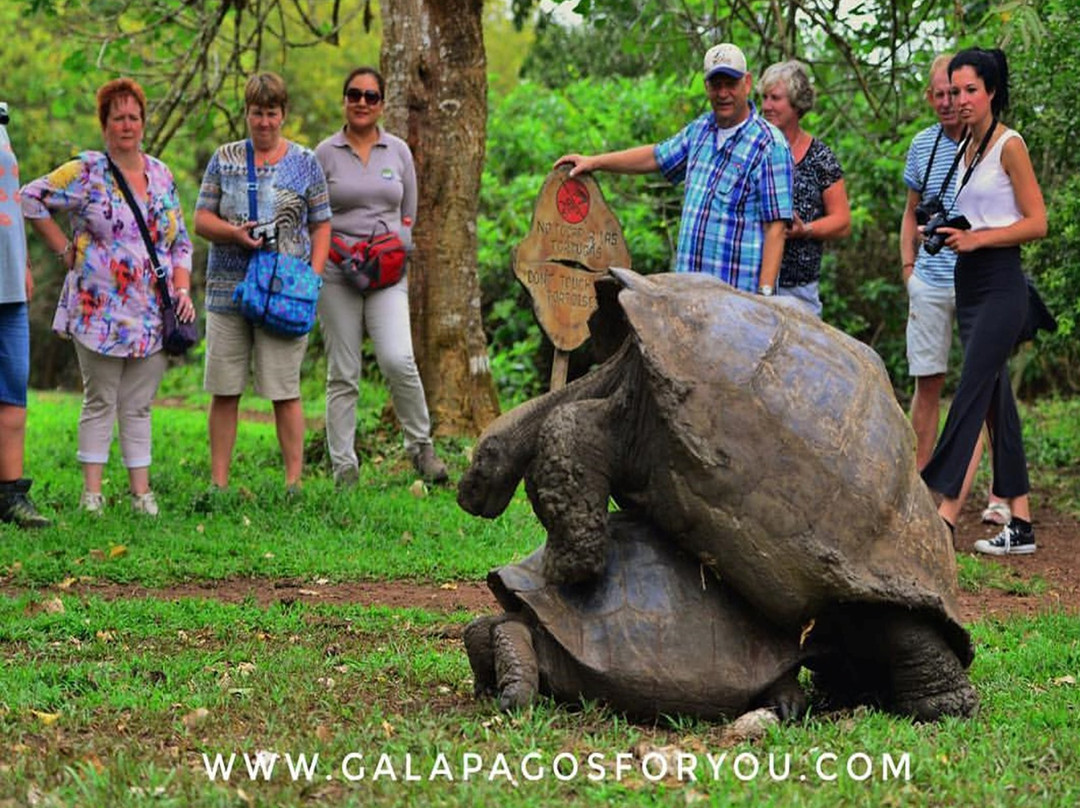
765	290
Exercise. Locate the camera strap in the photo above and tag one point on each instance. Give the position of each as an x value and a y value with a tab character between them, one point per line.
930	162
959	155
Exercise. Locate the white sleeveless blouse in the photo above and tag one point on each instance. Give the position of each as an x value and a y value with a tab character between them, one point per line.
988	199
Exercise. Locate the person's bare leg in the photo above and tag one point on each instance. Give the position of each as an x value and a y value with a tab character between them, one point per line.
224	413
925	415
12	441
289	420
1021	507
93	473
139	480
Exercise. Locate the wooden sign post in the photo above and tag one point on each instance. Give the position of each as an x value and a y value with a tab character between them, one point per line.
573	240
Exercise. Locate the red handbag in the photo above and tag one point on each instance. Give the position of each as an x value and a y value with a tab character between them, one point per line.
374	263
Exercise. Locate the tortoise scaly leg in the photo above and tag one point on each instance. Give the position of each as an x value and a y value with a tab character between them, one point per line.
928	681
516	671
569	484
478	645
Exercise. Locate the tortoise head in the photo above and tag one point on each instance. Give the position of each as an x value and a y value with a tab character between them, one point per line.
489	483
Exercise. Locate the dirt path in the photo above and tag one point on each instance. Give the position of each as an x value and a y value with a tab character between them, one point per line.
1057	537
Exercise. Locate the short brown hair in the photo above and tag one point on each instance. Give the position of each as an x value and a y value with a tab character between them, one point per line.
266	90
112	91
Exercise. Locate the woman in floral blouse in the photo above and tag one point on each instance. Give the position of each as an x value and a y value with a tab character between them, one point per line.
822	211
109	305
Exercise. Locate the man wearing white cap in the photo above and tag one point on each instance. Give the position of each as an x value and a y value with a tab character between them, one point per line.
737	171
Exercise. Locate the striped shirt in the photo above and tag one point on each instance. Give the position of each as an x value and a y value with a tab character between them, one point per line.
733	187
935	270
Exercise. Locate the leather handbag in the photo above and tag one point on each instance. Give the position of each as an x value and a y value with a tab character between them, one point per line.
176	337
279	292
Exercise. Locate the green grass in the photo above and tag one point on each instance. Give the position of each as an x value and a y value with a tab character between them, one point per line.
116	702
386	528
110	701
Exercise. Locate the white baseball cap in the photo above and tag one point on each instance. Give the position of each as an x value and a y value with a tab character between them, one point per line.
725	58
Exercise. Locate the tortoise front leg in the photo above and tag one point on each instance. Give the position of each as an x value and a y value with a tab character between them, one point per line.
928	681
478	645
569	483
517	673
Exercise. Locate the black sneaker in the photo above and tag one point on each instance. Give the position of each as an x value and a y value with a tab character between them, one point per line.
17	508
1010	541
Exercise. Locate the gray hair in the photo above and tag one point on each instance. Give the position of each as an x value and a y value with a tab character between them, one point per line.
795	77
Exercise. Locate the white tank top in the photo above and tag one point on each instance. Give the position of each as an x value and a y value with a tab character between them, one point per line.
988	199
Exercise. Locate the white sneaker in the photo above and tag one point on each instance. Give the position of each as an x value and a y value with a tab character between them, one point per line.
145	504
92	502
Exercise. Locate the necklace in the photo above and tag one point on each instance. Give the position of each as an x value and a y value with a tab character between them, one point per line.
271	156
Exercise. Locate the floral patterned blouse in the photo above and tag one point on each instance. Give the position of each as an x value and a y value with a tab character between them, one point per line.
818	171
109	301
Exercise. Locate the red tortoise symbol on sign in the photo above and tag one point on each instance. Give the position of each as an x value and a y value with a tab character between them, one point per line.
572	201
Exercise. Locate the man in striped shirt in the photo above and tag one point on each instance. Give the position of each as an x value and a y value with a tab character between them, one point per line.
737	171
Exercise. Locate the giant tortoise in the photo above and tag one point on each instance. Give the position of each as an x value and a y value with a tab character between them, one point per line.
655	634
769	445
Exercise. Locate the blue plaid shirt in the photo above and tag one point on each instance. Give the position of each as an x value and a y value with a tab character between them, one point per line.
732	190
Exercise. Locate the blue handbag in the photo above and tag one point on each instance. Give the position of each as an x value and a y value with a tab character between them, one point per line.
279	292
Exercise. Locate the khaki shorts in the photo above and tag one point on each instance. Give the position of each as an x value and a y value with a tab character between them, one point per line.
931	310
234	347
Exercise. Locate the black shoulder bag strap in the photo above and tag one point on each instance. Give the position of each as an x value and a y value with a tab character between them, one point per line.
159	272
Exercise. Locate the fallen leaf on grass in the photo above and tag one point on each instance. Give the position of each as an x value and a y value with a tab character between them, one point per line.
97	555
418	489
268	555
105	636
323	733
195	717
388	728
312	592
67	583
449	586
1064	680
48	719
53	606
117	550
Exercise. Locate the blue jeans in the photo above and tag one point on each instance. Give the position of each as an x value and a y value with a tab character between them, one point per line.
14	353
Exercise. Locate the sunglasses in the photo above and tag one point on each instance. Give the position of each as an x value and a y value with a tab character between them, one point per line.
354	96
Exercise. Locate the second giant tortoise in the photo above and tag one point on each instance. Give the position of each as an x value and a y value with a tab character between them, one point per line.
655	634
770	446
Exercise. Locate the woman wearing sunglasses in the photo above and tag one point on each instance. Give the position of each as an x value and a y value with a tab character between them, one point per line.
372	184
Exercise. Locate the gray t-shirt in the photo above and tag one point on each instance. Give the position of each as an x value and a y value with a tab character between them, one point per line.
372	198
12	231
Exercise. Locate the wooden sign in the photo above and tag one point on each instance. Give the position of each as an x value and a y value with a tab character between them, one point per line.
573	240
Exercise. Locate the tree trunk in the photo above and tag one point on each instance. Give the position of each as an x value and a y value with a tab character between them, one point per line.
436	83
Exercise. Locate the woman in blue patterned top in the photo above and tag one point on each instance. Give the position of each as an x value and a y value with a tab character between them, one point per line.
819	198
291	196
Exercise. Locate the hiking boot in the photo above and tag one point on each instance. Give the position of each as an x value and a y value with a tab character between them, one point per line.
294	492
428	465
92	502
996	513
347	477
1012	540
17	508
145	504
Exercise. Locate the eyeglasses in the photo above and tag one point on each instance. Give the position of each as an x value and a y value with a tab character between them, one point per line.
354	96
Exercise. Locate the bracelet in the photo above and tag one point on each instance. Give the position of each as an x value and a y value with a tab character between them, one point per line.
181	290
68	247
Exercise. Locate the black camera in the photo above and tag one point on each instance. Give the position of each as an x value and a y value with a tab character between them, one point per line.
267	231
935	240
4	113
927	208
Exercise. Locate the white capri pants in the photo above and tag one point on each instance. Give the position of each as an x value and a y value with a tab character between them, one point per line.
343	315
117	390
